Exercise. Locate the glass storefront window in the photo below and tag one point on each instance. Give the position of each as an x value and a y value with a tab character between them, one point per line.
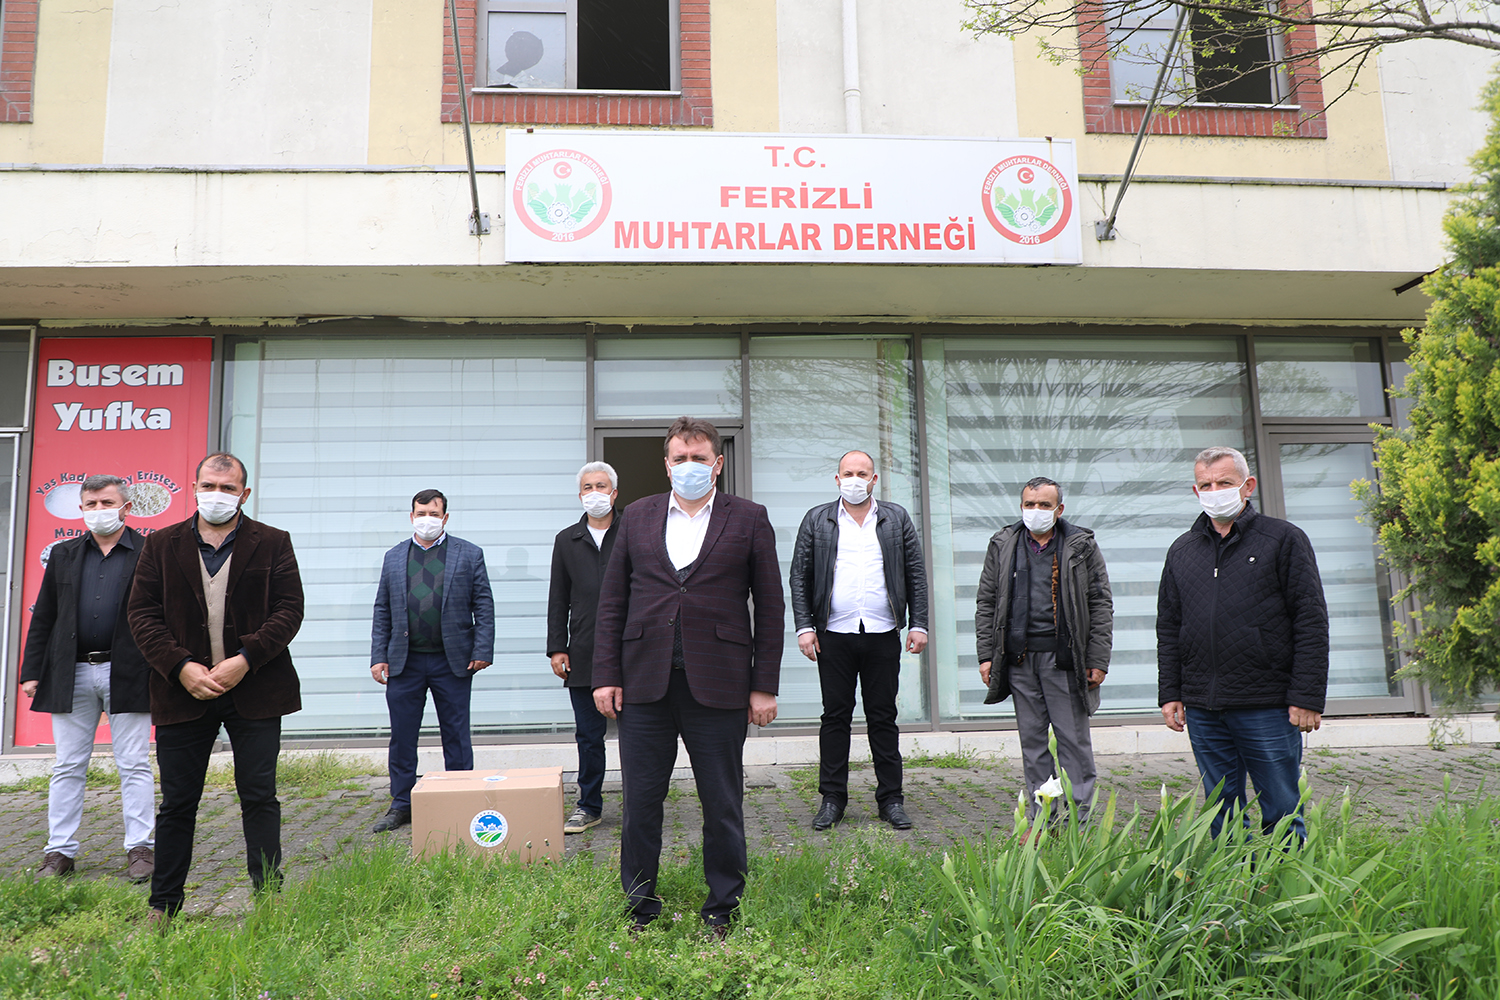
15	364
811	400
662	378
1319	377
1116	420
1398	352
339	434
8	499
1315	480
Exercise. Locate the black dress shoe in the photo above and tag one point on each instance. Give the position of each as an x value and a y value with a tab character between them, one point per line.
895	814
828	814
392	819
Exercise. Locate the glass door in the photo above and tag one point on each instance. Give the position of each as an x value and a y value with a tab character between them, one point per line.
1308	475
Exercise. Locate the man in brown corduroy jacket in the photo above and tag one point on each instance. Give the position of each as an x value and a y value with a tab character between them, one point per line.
216	602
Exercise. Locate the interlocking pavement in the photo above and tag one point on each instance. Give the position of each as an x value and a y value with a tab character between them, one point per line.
1390	786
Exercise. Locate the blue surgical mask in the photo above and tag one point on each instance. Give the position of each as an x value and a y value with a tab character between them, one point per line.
692	480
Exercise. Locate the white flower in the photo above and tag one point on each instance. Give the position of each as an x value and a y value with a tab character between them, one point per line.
1050	790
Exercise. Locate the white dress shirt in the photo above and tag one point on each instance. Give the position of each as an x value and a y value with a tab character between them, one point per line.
685	533
859	595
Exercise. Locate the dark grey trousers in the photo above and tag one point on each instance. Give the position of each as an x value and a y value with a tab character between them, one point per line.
1045	695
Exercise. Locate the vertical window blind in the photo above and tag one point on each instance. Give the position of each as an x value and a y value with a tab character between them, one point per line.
1116	422
339	434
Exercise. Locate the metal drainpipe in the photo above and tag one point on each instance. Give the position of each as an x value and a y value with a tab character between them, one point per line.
852	122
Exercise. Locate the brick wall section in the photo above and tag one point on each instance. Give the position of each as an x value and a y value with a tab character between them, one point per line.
17	58
693	107
1101	114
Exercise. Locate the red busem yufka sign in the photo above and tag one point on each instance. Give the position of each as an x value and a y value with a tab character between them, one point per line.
132	407
705	197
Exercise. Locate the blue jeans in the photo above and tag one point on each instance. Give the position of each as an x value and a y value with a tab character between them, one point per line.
588	730
1261	742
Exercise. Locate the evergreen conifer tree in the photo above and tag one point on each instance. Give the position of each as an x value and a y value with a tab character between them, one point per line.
1437	506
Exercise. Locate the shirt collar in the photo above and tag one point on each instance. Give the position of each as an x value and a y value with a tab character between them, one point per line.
440	540
844	511
227	538
672	504
124	540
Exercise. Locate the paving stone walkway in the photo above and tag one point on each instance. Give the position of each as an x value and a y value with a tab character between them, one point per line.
1389	786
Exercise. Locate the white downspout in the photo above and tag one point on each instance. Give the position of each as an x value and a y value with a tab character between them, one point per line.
851	68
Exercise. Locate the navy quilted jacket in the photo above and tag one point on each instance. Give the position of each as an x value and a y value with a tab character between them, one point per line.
1242	624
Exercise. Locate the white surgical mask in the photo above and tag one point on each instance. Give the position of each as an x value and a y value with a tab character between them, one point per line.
216	507
854	489
1038	521
427	527
692	480
1221	505
597	504
103	521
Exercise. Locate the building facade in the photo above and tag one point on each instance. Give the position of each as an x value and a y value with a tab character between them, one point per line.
255	218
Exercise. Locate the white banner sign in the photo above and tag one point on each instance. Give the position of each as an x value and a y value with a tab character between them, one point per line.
714	196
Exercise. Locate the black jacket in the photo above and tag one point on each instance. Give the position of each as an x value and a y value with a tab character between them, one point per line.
573	598
817	549
1088	607
1243	624
51	652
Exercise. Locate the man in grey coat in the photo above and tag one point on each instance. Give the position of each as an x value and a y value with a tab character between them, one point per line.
433	630
1044	621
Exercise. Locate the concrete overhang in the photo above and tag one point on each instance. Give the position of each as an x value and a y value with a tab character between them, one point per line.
106	244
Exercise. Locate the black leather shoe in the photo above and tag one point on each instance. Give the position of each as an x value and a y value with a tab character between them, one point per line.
828	814
392	819
895	814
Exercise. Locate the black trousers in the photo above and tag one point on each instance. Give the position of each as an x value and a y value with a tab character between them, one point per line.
182	752
715	741
874	660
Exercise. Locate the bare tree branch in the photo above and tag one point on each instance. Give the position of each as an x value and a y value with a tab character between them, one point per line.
1236	52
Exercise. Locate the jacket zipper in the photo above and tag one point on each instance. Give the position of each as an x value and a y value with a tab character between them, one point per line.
1213	631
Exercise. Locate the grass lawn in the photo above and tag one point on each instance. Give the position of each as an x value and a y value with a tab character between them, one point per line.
1115	911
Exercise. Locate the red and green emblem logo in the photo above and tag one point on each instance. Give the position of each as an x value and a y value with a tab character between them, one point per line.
1027	199
561	195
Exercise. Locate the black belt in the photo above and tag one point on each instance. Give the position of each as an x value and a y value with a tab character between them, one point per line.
97	656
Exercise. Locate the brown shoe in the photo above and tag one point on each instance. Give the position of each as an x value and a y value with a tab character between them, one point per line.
141	864
158	920
55	864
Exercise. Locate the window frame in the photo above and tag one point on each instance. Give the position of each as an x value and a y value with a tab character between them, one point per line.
17	59
1299	115
689	103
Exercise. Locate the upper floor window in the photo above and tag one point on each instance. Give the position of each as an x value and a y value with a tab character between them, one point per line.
583	62
1222	58
1234	72
616	45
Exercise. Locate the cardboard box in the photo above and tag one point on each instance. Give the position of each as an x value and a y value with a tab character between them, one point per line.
518	812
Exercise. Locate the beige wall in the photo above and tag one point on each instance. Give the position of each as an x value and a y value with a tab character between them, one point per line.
72	81
743	61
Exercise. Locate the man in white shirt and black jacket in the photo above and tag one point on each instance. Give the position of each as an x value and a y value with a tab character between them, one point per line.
856	572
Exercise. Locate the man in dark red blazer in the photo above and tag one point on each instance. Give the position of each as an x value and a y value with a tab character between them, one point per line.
217	599
675	655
